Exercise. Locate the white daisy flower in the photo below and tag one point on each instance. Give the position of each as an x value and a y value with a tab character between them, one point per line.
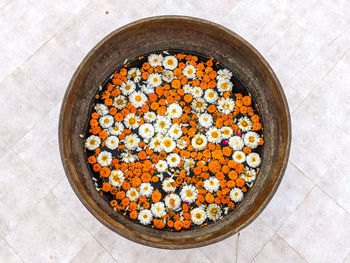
162	124
196	92
187	88
120	102
101	109
117	129
239	157
236	194
236	143
104	158
128	157
224	74
131	121
226	106
189	164
189	72
175	131
146	130
134	74
138	99
205	120
161	166
167	185
172	201
244	124
155	60
249	175
146	189
145	217
181	144
199	141
174	110
128	87
211	96
198	216
189	193
252	139
168	144
147	89
92	142
116	178
106	121
150	116
226	132
212	184
170	62
167	76
154	79
158	209
156	144
173	160
112	142
253	160
199	105
213	212
131	141
214	135
224	85
132	194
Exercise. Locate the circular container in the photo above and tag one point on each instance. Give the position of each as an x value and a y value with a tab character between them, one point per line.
190	35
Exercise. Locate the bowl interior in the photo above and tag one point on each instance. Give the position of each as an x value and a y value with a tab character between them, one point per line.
191	35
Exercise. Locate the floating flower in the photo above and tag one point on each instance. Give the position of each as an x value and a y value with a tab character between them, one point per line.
145	217
128	157
147	89
253	160
189	164
162	124
92	142
161	166
138	99
117	129
236	143
168	185
249	175
199	105
158	209
116	178
189	193
239	157
173	160
213	212
131	141
245	124
120	102
181	144
132	194
196	92
198	216
146	189
155	60
214	135
252	139
150	116
224	74
175	131
205	120
156	144
131	121
211	96
104	158
170	62
167	76
236	194
174	111
146	130
168	145
199	141
112	142
154	79
172	201
189	72
226	132
226	106
101	109
187	88
224	85
128	87
106	121
212	184
134	74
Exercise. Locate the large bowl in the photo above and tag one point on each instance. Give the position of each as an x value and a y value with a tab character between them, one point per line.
192	35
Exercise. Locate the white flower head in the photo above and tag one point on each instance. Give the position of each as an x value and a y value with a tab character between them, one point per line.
101	109
128	87
172	201
175	131
224	74
196	92
120	102
199	142
117	129
156	144
174	110
253	160
244	124
150	116
146	189
212	184
131	141
181	144
170	62
134	74
128	157
224	85
104	158
131	121
116	178
168	144
239	157
161	166
138	99
251	139
236	194
145	217
189	193
211	96
199	105
189	164
168	186
167	75
236	143
205	120
132	194
92	142
198	216
158	209
154	79
189	72
226	106
106	121
146	130
213	212
147	89
214	135
155	60
226	132
249	175
173	160
112	142
187	88
162	124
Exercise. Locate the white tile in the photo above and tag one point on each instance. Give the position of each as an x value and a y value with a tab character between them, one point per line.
290	193
252	239
48	234
318	229
277	250
7	254
347	260
262	25
39	149
223	251
92	252
293	8
3	3
21	189
64	192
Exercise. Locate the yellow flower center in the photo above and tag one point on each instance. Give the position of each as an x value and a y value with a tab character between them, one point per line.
92	142
138	98
167	143
251	139
199	141
214	134
170	62
244	123
132	121
189	193
127	87
198	216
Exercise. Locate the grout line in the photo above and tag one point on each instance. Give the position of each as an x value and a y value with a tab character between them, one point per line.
237	243
13	250
262	247
93	236
293	248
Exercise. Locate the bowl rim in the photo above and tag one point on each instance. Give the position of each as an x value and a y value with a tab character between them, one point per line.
253	52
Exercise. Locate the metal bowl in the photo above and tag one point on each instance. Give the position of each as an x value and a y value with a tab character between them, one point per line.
191	35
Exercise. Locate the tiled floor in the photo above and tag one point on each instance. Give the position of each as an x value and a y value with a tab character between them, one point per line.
306	42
